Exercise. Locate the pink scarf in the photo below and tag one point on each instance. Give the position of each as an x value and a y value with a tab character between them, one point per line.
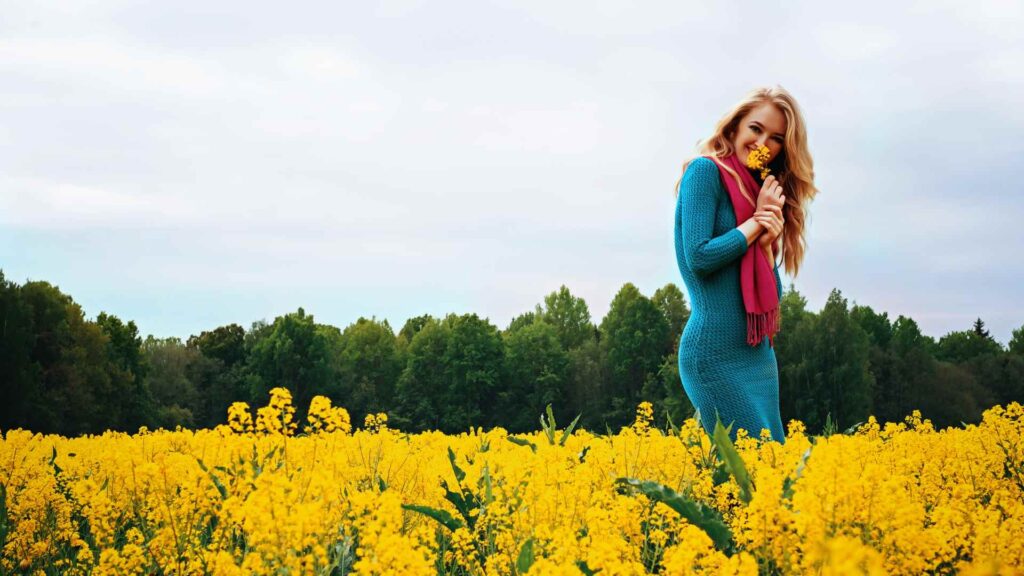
757	276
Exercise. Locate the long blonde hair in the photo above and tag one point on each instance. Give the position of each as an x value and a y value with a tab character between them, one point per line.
793	167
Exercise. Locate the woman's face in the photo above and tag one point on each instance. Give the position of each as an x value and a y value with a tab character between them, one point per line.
762	126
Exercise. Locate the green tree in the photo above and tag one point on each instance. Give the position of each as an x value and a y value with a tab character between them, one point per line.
473	363
670	300
633	334
536	366
959	347
414	325
877	326
525	319
19	375
912	367
842	363
369	366
220	371
980	330
570	317
293	352
423	383
798	393
226	343
134	404
70	357
1016	345
677	404
174	395
879	330
950	396
588	384
1000	379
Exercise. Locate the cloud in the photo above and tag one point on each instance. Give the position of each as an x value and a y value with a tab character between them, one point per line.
490	153
41	204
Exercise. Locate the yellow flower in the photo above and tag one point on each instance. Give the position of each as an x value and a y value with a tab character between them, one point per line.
757	159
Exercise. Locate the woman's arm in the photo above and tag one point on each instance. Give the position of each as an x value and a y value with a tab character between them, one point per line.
695	214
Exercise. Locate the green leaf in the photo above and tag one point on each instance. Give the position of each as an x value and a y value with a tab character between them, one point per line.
720	475
671	425
485	480
216	481
443	517
732	460
568	431
587	570
525	559
459	472
53	462
549	428
522	442
704	517
464	502
830	426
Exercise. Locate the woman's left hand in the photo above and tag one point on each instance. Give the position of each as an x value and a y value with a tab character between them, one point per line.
772	220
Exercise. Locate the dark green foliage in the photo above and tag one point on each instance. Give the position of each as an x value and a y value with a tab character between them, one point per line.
473	362
412	326
537	368
633	337
295	353
523	320
570	317
670	300
962	346
167	378
368	365
825	365
422	385
226	343
701	515
130	399
1016	345
62	373
797	392
20	384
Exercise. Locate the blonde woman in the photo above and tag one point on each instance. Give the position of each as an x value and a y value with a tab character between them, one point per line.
733	229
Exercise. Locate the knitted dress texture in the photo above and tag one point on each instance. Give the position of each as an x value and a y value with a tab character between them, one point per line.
719	370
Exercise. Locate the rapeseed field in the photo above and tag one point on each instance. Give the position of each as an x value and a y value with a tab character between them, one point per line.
270	494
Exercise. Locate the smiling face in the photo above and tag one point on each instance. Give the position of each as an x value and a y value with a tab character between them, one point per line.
764	125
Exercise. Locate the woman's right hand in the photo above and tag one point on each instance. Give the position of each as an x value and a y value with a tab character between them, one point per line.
771	194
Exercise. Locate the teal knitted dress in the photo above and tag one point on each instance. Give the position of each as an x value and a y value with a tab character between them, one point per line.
719	370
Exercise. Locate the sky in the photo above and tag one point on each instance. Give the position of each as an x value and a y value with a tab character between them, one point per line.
192	164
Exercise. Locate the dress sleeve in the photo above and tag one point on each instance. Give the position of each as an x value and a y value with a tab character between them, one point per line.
695	213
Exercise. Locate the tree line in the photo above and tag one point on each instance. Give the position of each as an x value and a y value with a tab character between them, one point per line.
63	373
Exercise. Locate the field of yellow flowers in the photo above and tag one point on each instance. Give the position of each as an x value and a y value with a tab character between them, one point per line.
264	495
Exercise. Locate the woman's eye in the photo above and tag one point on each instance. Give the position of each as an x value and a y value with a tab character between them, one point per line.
755	128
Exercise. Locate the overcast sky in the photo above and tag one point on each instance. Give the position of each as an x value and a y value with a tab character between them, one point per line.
191	164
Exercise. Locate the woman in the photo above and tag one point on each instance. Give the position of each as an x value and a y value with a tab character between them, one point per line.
732	230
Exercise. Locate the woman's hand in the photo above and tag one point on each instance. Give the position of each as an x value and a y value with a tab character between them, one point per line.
771	193
769	211
771	219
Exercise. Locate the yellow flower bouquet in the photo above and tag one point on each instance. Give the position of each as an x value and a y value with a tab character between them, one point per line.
757	159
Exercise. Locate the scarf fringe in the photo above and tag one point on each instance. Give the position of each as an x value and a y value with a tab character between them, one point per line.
763	324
